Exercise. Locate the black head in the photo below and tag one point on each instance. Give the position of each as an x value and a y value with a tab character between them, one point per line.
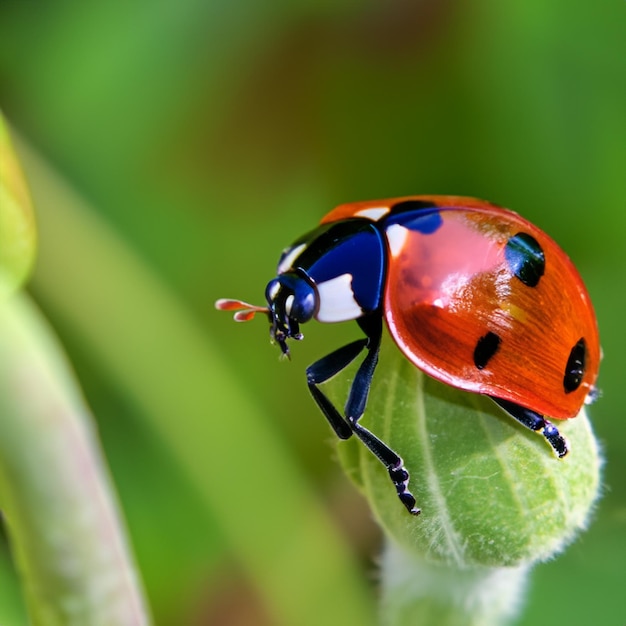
292	300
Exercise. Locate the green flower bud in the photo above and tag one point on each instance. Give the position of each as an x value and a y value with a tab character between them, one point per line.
492	493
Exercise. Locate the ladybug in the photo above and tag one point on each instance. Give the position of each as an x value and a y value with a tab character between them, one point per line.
472	294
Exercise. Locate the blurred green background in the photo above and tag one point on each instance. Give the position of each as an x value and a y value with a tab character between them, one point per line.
184	144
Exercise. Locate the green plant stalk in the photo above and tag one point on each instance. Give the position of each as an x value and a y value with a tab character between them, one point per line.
18	236
57	500
494	497
415	591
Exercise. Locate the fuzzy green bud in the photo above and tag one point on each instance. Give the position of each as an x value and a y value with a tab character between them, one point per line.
492	493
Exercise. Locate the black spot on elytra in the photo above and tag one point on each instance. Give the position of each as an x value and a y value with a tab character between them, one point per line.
525	258
412	205
575	368
485	348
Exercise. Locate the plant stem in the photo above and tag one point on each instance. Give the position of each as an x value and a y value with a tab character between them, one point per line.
418	592
55	491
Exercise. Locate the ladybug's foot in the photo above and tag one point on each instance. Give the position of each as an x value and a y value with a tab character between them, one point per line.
400	478
538	423
392	461
555	439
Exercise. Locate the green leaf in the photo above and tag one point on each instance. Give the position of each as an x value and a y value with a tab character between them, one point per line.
18	237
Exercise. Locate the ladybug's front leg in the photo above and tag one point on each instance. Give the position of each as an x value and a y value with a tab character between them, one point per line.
537	422
332	364
325	369
355	407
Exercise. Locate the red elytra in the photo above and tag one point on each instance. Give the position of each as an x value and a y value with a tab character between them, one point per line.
442	287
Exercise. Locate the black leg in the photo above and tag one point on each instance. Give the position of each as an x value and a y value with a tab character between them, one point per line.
537	422
330	365
323	370
394	464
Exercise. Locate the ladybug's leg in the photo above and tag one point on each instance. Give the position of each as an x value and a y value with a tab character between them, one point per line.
536	422
332	364
355	407
323	370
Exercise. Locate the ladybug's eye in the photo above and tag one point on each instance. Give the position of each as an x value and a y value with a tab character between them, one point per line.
292	297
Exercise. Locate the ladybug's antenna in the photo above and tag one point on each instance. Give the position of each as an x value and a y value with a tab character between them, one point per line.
244	312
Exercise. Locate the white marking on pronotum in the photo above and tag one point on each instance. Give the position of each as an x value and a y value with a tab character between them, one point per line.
396	236
336	298
373	213
289	300
286	262
274	289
